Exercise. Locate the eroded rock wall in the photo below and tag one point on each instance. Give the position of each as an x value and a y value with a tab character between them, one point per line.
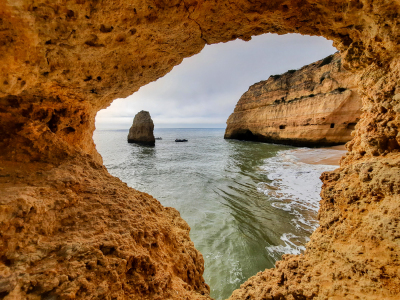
317	105
75	232
62	61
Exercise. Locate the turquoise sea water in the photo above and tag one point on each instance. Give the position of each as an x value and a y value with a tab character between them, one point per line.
247	203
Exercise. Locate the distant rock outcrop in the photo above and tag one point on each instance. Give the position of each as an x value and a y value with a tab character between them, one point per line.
141	131
315	106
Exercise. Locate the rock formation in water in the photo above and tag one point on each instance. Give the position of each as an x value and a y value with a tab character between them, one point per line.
317	105
69	230
142	129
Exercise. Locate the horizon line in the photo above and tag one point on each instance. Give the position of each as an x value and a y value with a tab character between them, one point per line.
113	129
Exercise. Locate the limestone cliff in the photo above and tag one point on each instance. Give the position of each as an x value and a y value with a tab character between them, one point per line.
142	129
318	105
69	230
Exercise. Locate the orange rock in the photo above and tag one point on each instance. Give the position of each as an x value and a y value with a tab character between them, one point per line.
73	231
69	230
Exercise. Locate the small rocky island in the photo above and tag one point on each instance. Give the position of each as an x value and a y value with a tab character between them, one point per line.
141	131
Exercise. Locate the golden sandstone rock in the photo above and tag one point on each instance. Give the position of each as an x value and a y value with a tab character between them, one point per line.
317	105
69	230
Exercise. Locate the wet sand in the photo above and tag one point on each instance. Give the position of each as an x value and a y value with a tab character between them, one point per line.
321	156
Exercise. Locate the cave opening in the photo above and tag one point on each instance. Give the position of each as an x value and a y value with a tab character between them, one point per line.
62	206
351	126
201	92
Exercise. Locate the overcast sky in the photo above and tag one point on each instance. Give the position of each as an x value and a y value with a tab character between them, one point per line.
203	90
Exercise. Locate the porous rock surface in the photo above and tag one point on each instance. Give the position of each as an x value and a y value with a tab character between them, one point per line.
315	106
142	129
76	232
69	230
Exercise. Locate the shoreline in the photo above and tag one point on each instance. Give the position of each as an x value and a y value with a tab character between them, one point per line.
321	156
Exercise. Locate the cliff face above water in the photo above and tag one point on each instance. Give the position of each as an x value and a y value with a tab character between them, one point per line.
318	105
142	129
69	230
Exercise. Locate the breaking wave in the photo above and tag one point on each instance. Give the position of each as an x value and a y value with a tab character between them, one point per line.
294	186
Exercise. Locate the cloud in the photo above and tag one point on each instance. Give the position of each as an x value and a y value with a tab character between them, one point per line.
203	90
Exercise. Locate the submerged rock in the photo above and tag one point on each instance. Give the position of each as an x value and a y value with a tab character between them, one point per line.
141	131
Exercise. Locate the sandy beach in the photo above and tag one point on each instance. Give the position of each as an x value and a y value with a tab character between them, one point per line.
320	156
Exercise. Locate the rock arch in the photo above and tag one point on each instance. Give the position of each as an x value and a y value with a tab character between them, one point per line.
65	233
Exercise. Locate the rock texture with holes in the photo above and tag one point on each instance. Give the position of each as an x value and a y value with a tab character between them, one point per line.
71	231
75	232
141	131
317	105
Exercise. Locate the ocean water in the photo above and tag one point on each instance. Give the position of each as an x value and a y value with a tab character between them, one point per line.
247	203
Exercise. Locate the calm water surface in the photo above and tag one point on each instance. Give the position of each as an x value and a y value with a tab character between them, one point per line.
247	203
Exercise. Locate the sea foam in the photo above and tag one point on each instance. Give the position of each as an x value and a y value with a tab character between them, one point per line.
294	187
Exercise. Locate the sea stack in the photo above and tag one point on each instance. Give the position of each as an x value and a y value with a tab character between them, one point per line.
316	106
141	131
